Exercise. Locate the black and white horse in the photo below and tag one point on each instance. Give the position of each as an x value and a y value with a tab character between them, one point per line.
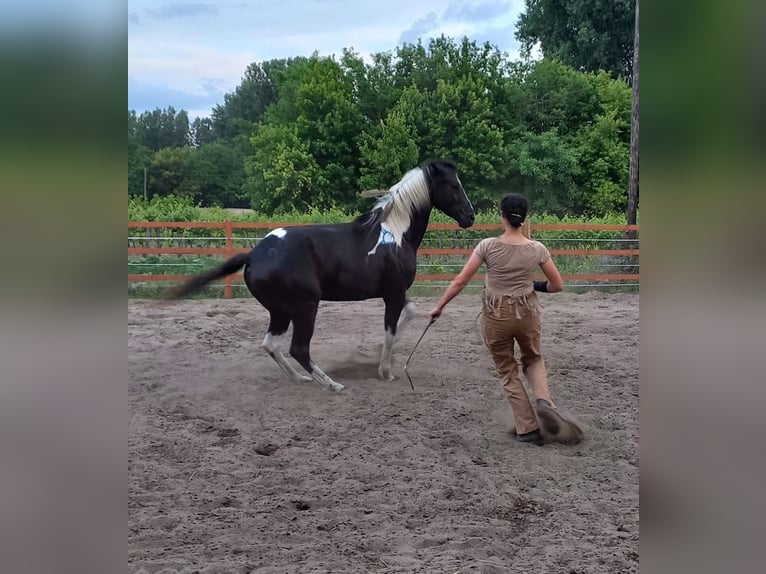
291	270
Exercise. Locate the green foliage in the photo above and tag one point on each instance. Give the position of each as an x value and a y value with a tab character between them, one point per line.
589	35
310	133
388	154
245	107
281	173
139	158
217	169
546	169
170	208
160	128
170	171
201	132
173	208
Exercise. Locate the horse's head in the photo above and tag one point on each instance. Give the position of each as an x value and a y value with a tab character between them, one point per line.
447	193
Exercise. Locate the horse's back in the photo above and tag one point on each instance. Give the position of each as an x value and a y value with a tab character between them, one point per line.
318	262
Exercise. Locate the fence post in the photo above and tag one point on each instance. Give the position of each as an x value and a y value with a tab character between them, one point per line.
229	253
526	229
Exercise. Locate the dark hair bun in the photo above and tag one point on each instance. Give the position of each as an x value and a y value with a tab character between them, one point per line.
514	208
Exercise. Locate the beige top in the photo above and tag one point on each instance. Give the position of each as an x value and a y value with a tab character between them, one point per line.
510	269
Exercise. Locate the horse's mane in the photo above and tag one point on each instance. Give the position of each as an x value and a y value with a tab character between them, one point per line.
400	203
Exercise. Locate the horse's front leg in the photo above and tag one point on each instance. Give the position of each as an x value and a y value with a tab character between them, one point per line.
399	312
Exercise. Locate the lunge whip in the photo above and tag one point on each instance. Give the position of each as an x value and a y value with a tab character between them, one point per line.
431	322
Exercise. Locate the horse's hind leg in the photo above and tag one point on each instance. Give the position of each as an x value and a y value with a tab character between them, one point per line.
275	336
303	329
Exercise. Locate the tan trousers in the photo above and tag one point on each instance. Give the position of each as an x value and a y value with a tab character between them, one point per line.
505	324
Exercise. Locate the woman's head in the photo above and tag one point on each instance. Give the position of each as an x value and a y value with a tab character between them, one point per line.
514	208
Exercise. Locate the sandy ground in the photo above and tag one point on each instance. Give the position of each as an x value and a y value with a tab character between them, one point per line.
232	468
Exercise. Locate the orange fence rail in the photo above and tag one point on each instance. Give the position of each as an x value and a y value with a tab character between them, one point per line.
229	250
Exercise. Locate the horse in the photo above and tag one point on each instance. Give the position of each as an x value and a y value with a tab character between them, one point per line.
373	256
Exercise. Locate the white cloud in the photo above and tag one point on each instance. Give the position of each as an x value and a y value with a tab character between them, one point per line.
184	51
186	67
181	10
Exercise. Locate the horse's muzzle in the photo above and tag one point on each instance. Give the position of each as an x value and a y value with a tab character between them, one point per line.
466	221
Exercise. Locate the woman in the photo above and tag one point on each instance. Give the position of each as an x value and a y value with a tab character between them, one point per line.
511	312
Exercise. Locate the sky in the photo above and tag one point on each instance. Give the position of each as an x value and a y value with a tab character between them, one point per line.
188	54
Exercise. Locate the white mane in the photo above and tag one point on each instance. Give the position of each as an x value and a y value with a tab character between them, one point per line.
403	199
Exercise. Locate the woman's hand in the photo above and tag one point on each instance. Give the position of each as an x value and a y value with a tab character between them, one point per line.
469	269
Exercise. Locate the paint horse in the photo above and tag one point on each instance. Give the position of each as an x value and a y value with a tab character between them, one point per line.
374	256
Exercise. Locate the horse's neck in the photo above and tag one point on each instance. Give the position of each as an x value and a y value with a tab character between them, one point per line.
418	226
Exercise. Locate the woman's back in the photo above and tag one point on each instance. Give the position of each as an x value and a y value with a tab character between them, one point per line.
510	266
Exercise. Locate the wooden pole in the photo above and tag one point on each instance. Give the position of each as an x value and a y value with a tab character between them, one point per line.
229	253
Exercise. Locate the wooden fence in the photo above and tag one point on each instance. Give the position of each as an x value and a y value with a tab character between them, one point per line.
229	249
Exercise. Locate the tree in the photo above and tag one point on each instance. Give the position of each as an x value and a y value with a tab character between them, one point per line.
139	159
218	175
169	173
160	128
329	120
603	151
245	107
449	107
388	155
546	168
201	132
589	35
311	132
314	125
281	174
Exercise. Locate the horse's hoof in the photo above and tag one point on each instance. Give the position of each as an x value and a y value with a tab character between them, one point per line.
386	375
337	388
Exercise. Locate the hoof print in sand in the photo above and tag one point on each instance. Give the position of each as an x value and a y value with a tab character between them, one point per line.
266	449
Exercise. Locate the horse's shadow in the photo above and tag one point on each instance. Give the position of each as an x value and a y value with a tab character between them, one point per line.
362	364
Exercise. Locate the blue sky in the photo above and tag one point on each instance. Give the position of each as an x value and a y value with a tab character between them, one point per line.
188	54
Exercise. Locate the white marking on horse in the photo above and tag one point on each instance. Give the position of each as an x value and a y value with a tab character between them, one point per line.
408	314
384	370
320	377
279	233
399	205
463	188
386	237
273	345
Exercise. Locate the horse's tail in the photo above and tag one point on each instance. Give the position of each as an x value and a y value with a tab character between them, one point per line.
196	283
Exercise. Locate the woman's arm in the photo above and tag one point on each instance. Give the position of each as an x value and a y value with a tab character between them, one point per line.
554	283
457	285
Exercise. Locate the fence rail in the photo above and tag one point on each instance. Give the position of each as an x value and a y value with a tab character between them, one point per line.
228	249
